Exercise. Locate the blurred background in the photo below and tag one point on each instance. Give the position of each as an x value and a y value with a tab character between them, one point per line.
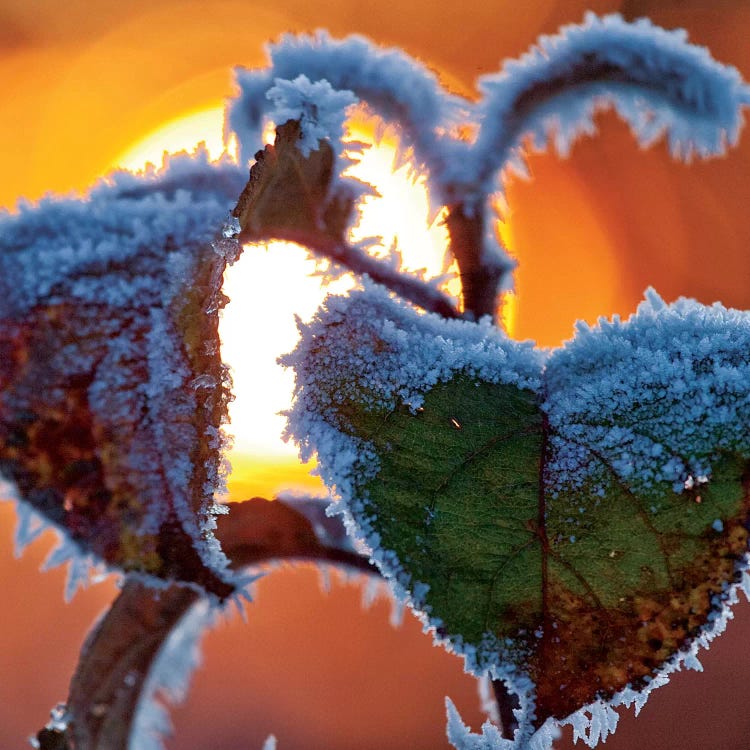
85	86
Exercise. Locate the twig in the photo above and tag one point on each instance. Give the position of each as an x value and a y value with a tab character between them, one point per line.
409	287
120	652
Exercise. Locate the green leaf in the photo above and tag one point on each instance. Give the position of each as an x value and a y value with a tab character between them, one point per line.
563	532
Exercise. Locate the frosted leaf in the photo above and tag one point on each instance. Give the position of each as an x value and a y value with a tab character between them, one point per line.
79	574
107	387
290	194
441	437
670	394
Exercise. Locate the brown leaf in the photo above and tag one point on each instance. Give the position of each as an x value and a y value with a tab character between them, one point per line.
289	195
112	391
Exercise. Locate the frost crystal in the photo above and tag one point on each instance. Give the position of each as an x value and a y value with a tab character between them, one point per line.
320	109
657	82
393	84
656	397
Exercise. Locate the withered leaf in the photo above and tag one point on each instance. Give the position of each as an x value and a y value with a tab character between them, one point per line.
112	392
289	195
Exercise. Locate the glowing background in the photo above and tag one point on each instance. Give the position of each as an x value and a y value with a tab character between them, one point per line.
84	83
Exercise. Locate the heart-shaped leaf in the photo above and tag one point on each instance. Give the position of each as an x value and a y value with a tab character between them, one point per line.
571	521
112	393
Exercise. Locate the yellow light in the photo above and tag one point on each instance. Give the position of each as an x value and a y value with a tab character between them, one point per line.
508	299
400	214
267	287
181	134
271	284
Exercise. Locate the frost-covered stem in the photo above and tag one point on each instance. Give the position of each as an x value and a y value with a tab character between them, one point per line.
479	280
656	81
115	663
121	650
359	262
575	82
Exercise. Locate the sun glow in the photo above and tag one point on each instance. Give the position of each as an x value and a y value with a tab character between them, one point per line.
181	134
401	213
267	287
509	298
272	283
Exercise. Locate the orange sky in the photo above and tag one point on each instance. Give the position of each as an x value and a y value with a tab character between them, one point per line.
84	81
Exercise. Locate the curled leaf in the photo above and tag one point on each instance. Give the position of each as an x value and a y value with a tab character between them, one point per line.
289	193
112	393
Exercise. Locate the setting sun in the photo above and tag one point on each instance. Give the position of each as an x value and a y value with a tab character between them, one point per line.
181	134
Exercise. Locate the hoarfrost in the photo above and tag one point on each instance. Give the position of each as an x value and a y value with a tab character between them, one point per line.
80	564
655	398
462	738
83	568
657	82
684	367
393	84
320	109
30	525
131	245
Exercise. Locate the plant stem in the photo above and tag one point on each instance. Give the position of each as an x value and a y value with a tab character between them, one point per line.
120	652
479	280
